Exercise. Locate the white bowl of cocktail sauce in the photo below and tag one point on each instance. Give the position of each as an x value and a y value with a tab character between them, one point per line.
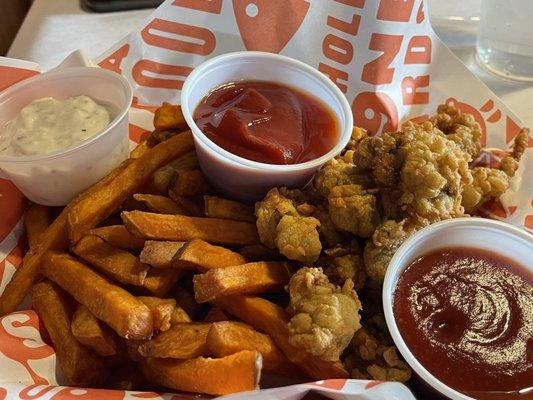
458	301
261	120
62	131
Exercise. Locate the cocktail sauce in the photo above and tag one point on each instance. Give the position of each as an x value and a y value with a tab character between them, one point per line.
466	314
267	122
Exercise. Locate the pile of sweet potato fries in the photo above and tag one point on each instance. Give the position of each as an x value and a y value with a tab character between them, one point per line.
135	290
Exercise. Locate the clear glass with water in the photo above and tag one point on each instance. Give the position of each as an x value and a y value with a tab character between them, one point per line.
505	38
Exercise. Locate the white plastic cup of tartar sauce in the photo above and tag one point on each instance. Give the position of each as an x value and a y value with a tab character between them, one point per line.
238	177
53	179
481	233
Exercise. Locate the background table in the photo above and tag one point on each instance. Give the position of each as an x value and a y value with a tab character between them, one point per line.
53	29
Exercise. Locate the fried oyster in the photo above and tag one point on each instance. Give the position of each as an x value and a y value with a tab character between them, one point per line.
350	220
324	316
280	225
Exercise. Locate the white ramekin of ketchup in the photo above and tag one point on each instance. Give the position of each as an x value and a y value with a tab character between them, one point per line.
62	131
261	120
458	301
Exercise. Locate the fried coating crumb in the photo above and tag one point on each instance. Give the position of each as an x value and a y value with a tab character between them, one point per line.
487	183
324	316
352	209
510	163
520	144
357	135
297	238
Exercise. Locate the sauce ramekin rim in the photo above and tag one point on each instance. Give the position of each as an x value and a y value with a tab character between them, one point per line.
59	74
226	156
391	280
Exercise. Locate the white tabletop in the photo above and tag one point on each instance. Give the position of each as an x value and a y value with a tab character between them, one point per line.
53	29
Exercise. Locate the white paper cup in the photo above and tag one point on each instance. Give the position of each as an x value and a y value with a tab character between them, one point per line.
54	179
504	239
241	178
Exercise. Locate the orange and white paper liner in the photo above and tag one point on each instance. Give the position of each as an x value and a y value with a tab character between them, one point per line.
382	54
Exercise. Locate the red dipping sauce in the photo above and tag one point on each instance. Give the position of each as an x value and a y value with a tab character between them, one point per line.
466	314
267	122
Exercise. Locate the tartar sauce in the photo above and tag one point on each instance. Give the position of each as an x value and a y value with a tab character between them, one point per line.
47	125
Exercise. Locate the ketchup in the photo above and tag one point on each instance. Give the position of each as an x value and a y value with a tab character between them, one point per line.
467	315
267	122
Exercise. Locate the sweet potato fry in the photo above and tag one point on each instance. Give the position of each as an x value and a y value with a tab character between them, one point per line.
236	373
117	264
140	149
161	309
189	205
186	301
118	236
92	333
128	316
217	207
251	278
199	255
78	364
229	337
259	252
179	316
36	220
161	178
181	341
98	205
169	116
125	377
216	315
54	238
132	349
159	204
179	227
272	320
158	281
160	136
159	254
188	184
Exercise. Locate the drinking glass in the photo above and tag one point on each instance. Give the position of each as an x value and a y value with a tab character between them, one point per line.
505	38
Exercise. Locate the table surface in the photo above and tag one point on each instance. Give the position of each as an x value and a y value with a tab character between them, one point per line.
53	29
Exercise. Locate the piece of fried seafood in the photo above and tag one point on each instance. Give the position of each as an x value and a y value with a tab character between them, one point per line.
380	248
460	128
329	234
353	209
324	316
281	225
369	357
418	171
341	263
338	171
375	157
489	183
434	170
